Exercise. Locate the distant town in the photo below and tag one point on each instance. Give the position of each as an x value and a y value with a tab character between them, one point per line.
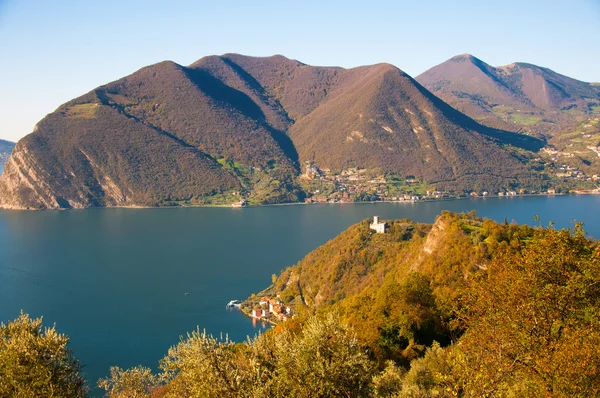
359	185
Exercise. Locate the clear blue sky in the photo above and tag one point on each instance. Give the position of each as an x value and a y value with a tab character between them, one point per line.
52	51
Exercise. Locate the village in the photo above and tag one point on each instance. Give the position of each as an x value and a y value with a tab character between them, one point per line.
358	185
271	310
352	185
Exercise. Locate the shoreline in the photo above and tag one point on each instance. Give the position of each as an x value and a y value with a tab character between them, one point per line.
304	203
263	320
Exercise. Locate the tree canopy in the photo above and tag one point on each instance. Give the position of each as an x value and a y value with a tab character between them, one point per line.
36	362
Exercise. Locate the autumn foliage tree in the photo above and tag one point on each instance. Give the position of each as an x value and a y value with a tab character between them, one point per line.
533	321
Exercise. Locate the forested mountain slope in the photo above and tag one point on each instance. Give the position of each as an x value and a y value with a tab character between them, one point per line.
233	126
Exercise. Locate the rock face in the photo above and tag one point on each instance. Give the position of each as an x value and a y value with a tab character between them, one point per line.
170	135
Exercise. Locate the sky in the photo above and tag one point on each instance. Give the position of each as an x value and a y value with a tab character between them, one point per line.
53	51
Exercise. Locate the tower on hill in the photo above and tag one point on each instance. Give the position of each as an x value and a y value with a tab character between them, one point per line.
377	226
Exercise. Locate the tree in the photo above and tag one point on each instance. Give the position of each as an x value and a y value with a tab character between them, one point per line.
204	366
137	382
325	359
430	376
533	321
36	362
321	358
388	383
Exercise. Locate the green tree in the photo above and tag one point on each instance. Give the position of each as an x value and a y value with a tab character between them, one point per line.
322	358
204	366
325	359
137	382
36	362
430	376
388	383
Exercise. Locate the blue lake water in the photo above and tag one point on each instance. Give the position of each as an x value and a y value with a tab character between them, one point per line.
115	280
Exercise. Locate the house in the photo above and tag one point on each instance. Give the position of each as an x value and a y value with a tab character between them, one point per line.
264	301
551	191
240	203
258	313
274	303
377	226
280	310
282	317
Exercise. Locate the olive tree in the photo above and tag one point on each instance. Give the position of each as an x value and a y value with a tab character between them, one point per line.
35	361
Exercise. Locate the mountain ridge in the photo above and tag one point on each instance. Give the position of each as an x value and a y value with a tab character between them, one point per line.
517	96
236	126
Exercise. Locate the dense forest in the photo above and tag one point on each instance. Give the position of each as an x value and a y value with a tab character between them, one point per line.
464	307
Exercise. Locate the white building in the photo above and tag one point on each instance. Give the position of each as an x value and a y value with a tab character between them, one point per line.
377	226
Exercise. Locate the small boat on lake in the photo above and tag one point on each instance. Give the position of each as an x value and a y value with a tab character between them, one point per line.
233	304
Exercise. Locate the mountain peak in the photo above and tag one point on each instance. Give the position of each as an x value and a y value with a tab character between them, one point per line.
526	92
462	56
465	57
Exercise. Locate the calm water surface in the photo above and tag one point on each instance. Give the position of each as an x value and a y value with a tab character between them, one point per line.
115	280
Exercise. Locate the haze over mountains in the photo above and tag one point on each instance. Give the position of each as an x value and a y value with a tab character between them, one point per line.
514	97
234	125
6	148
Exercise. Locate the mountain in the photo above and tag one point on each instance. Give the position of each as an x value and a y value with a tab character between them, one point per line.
514	97
6	148
234	125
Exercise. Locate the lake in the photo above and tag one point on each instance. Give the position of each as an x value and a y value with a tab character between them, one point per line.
124	284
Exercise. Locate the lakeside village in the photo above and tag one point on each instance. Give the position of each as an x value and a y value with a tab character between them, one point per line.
356	185
271	309
361	185
267	309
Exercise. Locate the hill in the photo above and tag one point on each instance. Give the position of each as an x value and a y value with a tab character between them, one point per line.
6	148
359	272
486	291
519	96
230	127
